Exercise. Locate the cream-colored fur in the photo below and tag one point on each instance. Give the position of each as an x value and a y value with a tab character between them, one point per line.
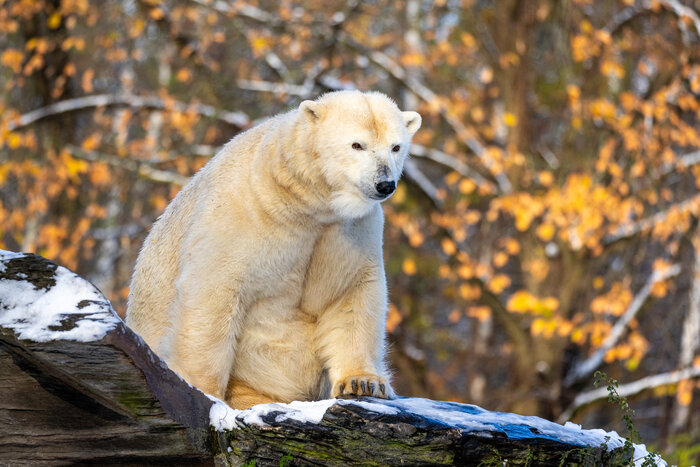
263	280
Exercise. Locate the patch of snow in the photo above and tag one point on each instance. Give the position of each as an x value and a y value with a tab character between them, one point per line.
572	425
449	413
371	406
224	417
32	312
221	415
305	412
6	255
641	453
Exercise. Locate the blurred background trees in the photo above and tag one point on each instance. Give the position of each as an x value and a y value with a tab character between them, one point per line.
548	222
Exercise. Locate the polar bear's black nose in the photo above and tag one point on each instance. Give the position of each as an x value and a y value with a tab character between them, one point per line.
385	188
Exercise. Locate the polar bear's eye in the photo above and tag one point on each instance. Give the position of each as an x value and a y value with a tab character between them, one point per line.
396	148
357	146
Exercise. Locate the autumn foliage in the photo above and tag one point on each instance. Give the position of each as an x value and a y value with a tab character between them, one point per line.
548	222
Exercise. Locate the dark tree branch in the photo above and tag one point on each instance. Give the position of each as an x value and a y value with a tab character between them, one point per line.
238	119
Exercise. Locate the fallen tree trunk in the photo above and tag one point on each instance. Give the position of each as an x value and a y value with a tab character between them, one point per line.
78	386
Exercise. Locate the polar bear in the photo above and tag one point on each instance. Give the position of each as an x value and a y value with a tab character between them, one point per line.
263	280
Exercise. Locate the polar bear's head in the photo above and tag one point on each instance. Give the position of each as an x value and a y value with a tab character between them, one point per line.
360	141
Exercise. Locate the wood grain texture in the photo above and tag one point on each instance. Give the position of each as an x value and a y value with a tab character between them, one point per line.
113	401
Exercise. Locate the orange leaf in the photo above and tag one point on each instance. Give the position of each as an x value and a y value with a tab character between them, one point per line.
393	318
409	266
482	313
91	142
685	392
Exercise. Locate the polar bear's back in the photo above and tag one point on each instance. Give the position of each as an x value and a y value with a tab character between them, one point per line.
152	288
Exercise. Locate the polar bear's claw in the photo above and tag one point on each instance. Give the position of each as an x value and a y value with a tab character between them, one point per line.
363	385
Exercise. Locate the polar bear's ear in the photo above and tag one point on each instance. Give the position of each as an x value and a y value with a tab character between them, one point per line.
310	109
412	121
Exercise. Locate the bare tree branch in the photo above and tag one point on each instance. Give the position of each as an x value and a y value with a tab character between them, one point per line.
680	10
415	174
623	16
690	338
238	119
682	162
126	230
144	170
447	160
588	366
276	88
629	389
243	9
630	12
633	228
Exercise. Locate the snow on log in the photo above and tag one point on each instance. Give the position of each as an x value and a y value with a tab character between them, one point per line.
77	385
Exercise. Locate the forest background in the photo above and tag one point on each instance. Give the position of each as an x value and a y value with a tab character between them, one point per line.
547	224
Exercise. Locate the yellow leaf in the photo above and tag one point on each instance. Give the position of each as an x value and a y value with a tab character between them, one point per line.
99	175
91	142
452	178
500	259
685	392
511	245
469	292
454	316
412	59
537	327
415	239
448	246
14	140
510	119
550	303
156	14
409	266
466	186
4	169
183	75
465	271
12	58
659	289
578	336
136	28
564	328
521	301
393	318
499	283
545	232
481	313
158	202
86	81
545	178
260	44
73	166
598	282
54	20
472	217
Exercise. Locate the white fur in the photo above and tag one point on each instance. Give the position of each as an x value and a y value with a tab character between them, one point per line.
263	280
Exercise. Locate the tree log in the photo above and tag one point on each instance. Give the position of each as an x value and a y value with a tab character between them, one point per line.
78	386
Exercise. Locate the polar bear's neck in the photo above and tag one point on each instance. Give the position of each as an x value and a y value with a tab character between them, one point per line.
285	180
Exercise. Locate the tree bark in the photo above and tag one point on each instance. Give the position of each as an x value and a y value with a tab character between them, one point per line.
110	399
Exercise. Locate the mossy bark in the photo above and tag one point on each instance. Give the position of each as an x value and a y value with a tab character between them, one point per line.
351	435
113	401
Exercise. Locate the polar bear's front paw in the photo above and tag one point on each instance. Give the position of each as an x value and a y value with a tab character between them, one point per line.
363	385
